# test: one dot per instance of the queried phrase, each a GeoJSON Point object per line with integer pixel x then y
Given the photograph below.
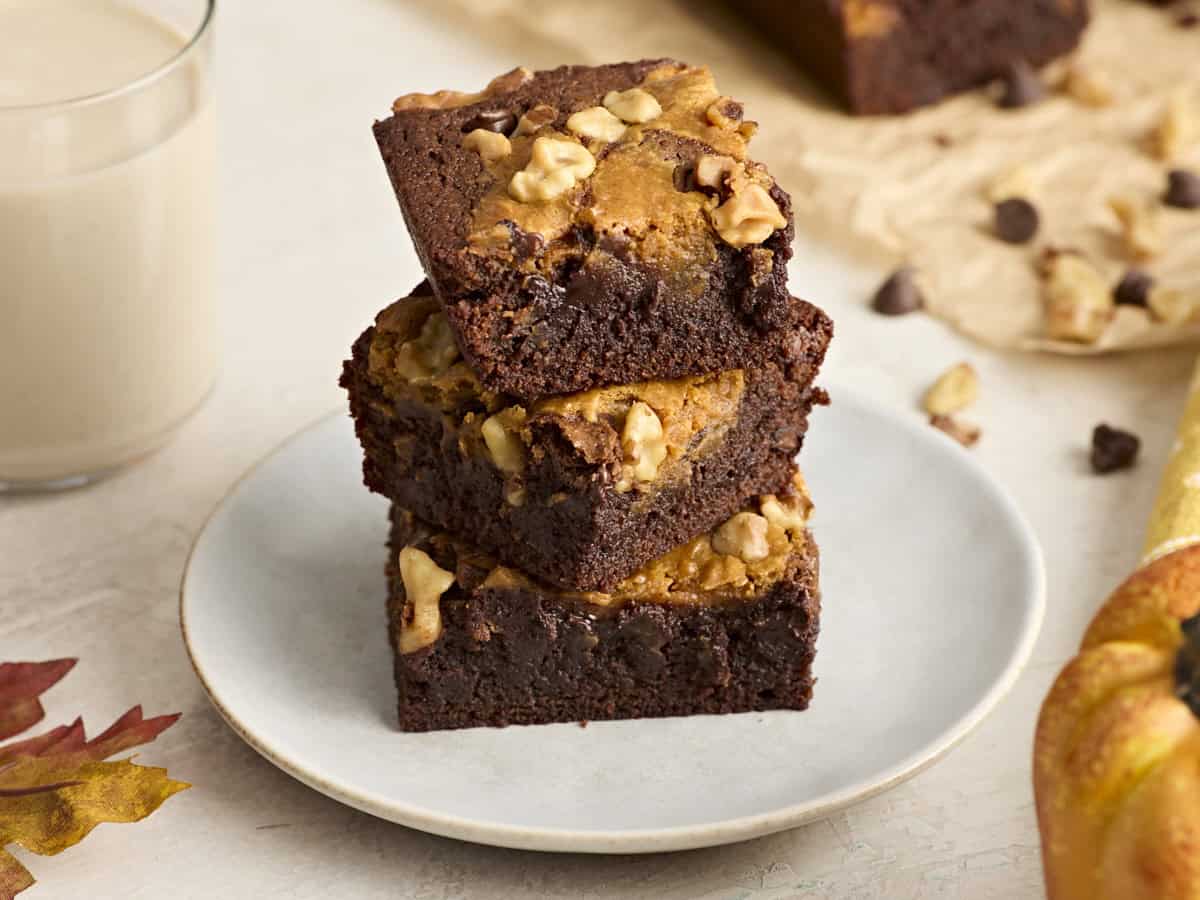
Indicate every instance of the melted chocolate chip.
{"type": "Point", "coordinates": [1016, 220]}
{"type": "Point", "coordinates": [501, 121]}
{"type": "Point", "coordinates": [1134, 288]}
{"type": "Point", "coordinates": [1021, 85]}
{"type": "Point", "coordinates": [733, 110]}
{"type": "Point", "coordinates": [1113, 449]}
{"type": "Point", "coordinates": [525, 244]}
{"type": "Point", "coordinates": [899, 295]}
{"type": "Point", "coordinates": [684, 177]}
{"type": "Point", "coordinates": [1183, 189]}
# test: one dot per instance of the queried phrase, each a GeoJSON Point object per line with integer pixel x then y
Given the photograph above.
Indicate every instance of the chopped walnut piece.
{"type": "Point", "coordinates": [501, 435]}
{"type": "Point", "coordinates": [1141, 227]}
{"type": "Point", "coordinates": [1172, 306]}
{"type": "Point", "coordinates": [791, 516]}
{"type": "Point", "coordinates": [424, 583]}
{"type": "Point", "coordinates": [634, 106]}
{"type": "Point", "coordinates": [743, 536]}
{"type": "Point", "coordinates": [430, 353]}
{"type": "Point", "coordinates": [643, 445]}
{"type": "Point", "coordinates": [1079, 304]}
{"type": "Point", "coordinates": [1178, 128]}
{"type": "Point", "coordinates": [534, 119]}
{"type": "Point", "coordinates": [1016, 182]}
{"type": "Point", "coordinates": [724, 112]}
{"type": "Point", "coordinates": [1089, 87]}
{"type": "Point", "coordinates": [711, 171]}
{"type": "Point", "coordinates": [490, 145]}
{"type": "Point", "coordinates": [750, 216]}
{"type": "Point", "coordinates": [553, 169]}
{"type": "Point", "coordinates": [963, 432]}
{"type": "Point", "coordinates": [597, 123]}
{"type": "Point", "coordinates": [501, 84]}
{"type": "Point", "coordinates": [955, 389]}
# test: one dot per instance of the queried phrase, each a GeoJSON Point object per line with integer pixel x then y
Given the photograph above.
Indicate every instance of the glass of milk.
{"type": "Point", "coordinates": [107, 220]}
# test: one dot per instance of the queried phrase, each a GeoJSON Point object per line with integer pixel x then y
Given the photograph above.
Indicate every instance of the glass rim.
{"type": "Point", "coordinates": [159, 71]}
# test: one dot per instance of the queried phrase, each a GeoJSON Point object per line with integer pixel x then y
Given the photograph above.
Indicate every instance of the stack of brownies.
{"type": "Point", "coordinates": [586, 418]}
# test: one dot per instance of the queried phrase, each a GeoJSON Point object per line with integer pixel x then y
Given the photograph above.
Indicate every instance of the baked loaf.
{"type": "Point", "coordinates": [890, 56]}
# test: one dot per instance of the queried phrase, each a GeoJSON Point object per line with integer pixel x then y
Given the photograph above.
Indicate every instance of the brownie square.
{"type": "Point", "coordinates": [581, 490]}
{"type": "Point", "coordinates": [892, 56]}
{"type": "Point", "coordinates": [589, 226]}
{"type": "Point", "coordinates": [722, 624]}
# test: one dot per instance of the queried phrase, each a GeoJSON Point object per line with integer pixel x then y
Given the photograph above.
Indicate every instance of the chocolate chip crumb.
{"type": "Point", "coordinates": [943, 140]}
{"type": "Point", "coordinates": [1113, 449]}
{"type": "Point", "coordinates": [1188, 20]}
{"type": "Point", "coordinates": [501, 121]}
{"type": "Point", "coordinates": [1016, 220]}
{"type": "Point", "coordinates": [1134, 288]}
{"type": "Point", "coordinates": [1183, 189]}
{"type": "Point", "coordinates": [899, 295]}
{"type": "Point", "coordinates": [1021, 85]}
{"type": "Point", "coordinates": [966, 434]}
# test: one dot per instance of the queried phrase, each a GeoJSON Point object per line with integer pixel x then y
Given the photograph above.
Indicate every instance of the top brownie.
{"type": "Point", "coordinates": [589, 226]}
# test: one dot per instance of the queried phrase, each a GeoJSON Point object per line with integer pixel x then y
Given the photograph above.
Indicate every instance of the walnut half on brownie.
{"type": "Point", "coordinates": [579, 490]}
{"type": "Point", "coordinates": [722, 624]}
{"type": "Point", "coordinates": [588, 226]}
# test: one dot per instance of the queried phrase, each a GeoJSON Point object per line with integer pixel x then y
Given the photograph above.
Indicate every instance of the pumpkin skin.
{"type": "Point", "coordinates": [1117, 752]}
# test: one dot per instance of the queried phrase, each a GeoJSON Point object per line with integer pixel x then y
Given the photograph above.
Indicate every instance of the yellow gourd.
{"type": "Point", "coordinates": [1117, 751]}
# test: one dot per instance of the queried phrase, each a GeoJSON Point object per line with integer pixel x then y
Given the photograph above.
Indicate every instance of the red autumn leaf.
{"type": "Point", "coordinates": [20, 686]}
{"type": "Point", "coordinates": [56, 787]}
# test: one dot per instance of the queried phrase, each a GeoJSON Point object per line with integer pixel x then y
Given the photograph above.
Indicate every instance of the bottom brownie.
{"type": "Point", "coordinates": [725, 623]}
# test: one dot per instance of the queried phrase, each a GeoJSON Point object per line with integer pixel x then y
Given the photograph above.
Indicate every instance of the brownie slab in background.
{"type": "Point", "coordinates": [581, 490]}
{"type": "Point", "coordinates": [725, 623]}
{"type": "Point", "coordinates": [883, 57]}
{"type": "Point", "coordinates": [599, 225]}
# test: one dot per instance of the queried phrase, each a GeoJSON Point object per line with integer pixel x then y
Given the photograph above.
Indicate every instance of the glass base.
{"type": "Point", "coordinates": [115, 463]}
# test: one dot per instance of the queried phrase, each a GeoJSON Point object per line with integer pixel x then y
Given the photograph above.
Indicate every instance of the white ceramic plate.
{"type": "Point", "coordinates": [933, 594]}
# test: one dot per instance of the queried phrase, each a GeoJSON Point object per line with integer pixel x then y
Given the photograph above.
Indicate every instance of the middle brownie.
{"type": "Point", "coordinates": [579, 490]}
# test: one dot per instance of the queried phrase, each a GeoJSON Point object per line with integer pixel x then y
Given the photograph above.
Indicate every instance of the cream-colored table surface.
{"type": "Point", "coordinates": [312, 246]}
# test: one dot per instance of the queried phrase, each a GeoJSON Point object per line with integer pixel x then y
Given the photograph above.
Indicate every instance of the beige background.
{"type": "Point", "coordinates": [313, 245]}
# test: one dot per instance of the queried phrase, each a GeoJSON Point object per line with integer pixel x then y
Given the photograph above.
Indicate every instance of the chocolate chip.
{"type": "Point", "coordinates": [1113, 449]}
{"type": "Point", "coordinates": [1134, 288]}
{"type": "Point", "coordinates": [1183, 189]}
{"type": "Point", "coordinates": [733, 110]}
{"type": "Point", "coordinates": [899, 295]}
{"type": "Point", "coordinates": [1016, 220]}
{"type": "Point", "coordinates": [1021, 85]}
{"type": "Point", "coordinates": [524, 244]}
{"type": "Point", "coordinates": [1188, 20]}
{"type": "Point", "coordinates": [501, 121]}
{"type": "Point", "coordinates": [684, 177]}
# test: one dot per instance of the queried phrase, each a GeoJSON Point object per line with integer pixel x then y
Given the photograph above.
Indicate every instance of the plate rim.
{"type": "Point", "coordinates": [652, 840]}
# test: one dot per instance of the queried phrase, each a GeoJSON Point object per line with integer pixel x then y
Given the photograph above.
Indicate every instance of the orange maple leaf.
{"type": "Point", "coordinates": [56, 787]}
